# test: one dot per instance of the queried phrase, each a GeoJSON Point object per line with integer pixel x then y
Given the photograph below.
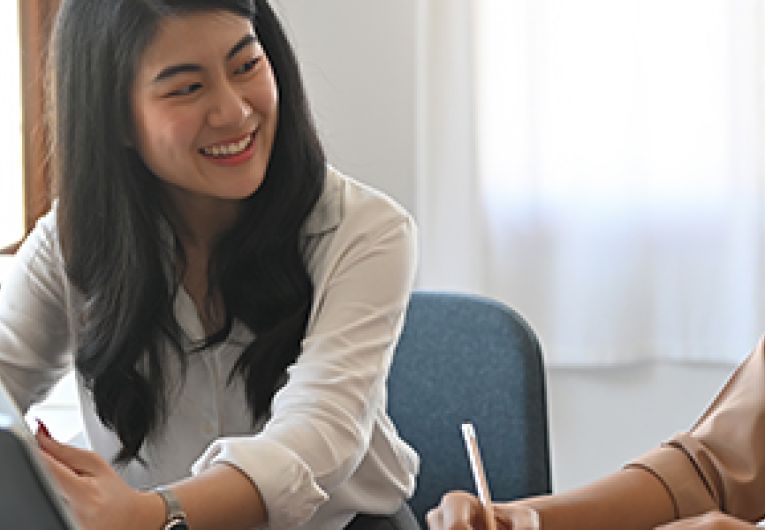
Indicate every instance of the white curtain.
{"type": "Point", "coordinates": [598, 165]}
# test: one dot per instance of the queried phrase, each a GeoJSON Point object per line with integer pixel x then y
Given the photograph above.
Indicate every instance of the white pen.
{"type": "Point", "coordinates": [479, 475]}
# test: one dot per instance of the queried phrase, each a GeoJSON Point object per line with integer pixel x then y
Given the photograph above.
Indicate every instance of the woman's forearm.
{"type": "Point", "coordinates": [221, 497]}
{"type": "Point", "coordinates": [631, 499]}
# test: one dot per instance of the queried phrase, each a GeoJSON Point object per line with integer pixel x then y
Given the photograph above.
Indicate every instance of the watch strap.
{"type": "Point", "coordinates": [175, 517]}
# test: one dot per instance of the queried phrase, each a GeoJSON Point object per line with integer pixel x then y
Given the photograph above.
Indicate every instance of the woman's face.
{"type": "Point", "coordinates": [204, 102]}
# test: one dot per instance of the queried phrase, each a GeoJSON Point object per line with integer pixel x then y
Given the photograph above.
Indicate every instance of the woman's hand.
{"type": "Point", "coordinates": [709, 521]}
{"type": "Point", "coordinates": [462, 511]}
{"type": "Point", "coordinates": [98, 496]}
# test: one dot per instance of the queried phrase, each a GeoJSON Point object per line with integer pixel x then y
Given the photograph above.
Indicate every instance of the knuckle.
{"type": "Point", "coordinates": [433, 517]}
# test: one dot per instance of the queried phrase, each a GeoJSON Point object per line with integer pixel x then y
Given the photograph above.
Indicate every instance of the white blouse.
{"type": "Point", "coordinates": [329, 449]}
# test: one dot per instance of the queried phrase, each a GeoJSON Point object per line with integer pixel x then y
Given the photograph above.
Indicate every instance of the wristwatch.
{"type": "Point", "coordinates": [175, 518]}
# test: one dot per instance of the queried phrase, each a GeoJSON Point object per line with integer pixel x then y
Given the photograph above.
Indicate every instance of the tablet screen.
{"type": "Point", "coordinates": [27, 497]}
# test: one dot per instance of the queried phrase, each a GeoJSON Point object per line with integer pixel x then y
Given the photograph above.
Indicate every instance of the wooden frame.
{"type": "Point", "coordinates": [35, 20]}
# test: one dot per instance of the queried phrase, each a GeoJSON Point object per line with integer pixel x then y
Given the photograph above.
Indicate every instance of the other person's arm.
{"type": "Point", "coordinates": [716, 468]}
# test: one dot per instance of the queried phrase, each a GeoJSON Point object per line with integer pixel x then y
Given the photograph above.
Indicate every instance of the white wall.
{"type": "Point", "coordinates": [359, 61]}
{"type": "Point", "coordinates": [358, 64]}
{"type": "Point", "coordinates": [601, 418]}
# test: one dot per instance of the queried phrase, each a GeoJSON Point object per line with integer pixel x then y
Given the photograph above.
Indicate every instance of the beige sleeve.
{"type": "Point", "coordinates": [720, 462]}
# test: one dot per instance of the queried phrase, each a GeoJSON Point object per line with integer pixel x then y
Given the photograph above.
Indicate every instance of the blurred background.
{"type": "Point", "coordinates": [595, 164]}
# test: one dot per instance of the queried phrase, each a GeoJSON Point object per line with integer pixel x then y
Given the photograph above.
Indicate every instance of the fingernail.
{"type": "Point", "coordinates": [41, 428]}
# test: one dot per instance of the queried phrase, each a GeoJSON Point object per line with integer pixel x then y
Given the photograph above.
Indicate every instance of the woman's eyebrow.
{"type": "Point", "coordinates": [175, 69]}
{"type": "Point", "coordinates": [244, 41]}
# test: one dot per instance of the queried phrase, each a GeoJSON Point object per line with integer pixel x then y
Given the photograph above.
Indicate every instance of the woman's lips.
{"type": "Point", "coordinates": [231, 152]}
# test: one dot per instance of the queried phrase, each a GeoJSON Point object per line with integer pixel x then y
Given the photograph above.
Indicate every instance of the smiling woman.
{"type": "Point", "coordinates": [225, 296]}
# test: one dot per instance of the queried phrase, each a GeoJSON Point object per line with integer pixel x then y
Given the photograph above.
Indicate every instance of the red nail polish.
{"type": "Point", "coordinates": [41, 428]}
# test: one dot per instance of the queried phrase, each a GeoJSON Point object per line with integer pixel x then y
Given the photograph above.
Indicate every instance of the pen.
{"type": "Point", "coordinates": [479, 475]}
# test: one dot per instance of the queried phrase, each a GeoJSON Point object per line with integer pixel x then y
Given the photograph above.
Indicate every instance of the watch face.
{"type": "Point", "coordinates": [177, 524]}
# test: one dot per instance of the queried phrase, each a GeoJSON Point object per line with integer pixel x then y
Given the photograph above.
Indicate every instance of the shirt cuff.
{"type": "Point", "coordinates": [285, 482]}
{"type": "Point", "coordinates": [673, 468]}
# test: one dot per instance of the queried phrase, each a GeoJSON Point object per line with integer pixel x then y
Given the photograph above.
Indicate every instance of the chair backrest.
{"type": "Point", "coordinates": [467, 358]}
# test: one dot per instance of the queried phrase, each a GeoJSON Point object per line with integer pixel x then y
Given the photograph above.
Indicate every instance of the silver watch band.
{"type": "Point", "coordinates": [175, 517]}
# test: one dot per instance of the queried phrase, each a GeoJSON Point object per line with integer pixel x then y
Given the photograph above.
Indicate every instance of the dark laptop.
{"type": "Point", "coordinates": [28, 498]}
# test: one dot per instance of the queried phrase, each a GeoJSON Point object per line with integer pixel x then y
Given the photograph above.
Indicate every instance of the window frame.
{"type": "Point", "coordinates": [35, 22]}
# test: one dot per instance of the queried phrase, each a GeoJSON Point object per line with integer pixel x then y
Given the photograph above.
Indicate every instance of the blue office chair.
{"type": "Point", "coordinates": [467, 358]}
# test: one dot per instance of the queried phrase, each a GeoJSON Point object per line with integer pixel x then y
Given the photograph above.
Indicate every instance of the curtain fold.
{"type": "Point", "coordinates": [598, 166]}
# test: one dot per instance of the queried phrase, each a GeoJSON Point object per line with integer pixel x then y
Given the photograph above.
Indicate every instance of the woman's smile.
{"type": "Point", "coordinates": [231, 152]}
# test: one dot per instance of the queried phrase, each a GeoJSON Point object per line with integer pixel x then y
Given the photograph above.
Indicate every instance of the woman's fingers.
{"type": "Point", "coordinates": [79, 461]}
{"type": "Point", "coordinates": [64, 477]}
{"type": "Point", "coordinates": [515, 516]}
{"type": "Point", "coordinates": [463, 508]}
{"type": "Point", "coordinates": [97, 495]}
{"type": "Point", "coordinates": [462, 511]}
{"type": "Point", "coordinates": [458, 511]}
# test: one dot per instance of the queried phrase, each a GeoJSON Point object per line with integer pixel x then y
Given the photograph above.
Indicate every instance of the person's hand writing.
{"type": "Point", "coordinates": [709, 521]}
{"type": "Point", "coordinates": [98, 496]}
{"type": "Point", "coordinates": [462, 511]}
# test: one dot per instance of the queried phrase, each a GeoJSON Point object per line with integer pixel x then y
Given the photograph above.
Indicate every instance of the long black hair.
{"type": "Point", "coordinates": [111, 210]}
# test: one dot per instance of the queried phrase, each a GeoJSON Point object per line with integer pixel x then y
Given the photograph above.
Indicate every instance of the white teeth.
{"type": "Point", "coordinates": [228, 149]}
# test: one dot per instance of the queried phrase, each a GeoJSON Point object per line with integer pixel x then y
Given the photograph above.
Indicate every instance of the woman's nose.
{"type": "Point", "coordinates": [229, 108]}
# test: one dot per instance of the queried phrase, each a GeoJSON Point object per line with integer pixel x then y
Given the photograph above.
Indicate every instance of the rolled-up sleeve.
{"type": "Point", "coordinates": [323, 417]}
{"type": "Point", "coordinates": [284, 474]}
{"type": "Point", "coordinates": [720, 462]}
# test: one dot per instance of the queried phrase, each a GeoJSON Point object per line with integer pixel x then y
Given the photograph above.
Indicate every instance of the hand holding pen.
{"type": "Point", "coordinates": [519, 518]}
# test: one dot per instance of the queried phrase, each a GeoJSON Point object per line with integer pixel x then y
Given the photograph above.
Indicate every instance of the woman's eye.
{"type": "Point", "coordinates": [248, 66]}
{"type": "Point", "coordinates": [186, 90]}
